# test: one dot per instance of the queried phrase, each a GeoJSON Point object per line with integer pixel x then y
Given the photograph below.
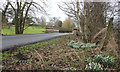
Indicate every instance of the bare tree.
{"type": "Point", "coordinates": [108, 34]}
{"type": "Point", "coordinates": [118, 27]}
{"type": "Point", "coordinates": [88, 16]}
{"type": "Point", "coordinates": [74, 9]}
{"type": "Point", "coordinates": [43, 22]}
{"type": "Point", "coordinates": [21, 10]}
{"type": "Point", "coordinates": [111, 27]}
{"type": "Point", "coordinates": [68, 24]}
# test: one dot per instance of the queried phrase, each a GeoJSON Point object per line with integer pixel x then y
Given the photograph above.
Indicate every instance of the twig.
{"type": "Point", "coordinates": [42, 59]}
{"type": "Point", "coordinates": [39, 56]}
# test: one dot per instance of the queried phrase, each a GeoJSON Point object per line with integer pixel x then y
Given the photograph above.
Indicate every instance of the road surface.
{"type": "Point", "coordinates": [17, 40]}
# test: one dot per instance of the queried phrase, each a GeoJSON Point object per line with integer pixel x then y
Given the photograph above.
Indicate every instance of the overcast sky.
{"type": "Point", "coordinates": [53, 9]}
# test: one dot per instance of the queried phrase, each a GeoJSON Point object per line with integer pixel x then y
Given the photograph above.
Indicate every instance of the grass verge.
{"type": "Point", "coordinates": [29, 30]}
{"type": "Point", "coordinates": [50, 55]}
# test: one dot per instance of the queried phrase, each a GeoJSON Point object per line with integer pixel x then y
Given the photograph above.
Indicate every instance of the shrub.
{"type": "Point", "coordinates": [81, 45]}
{"type": "Point", "coordinates": [109, 61]}
{"type": "Point", "coordinates": [93, 66]}
{"type": "Point", "coordinates": [65, 30]}
{"type": "Point", "coordinates": [98, 58]}
{"type": "Point", "coordinates": [71, 43]}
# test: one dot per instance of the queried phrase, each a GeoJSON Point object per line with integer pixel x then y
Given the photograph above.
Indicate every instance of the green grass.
{"type": "Point", "coordinates": [29, 30]}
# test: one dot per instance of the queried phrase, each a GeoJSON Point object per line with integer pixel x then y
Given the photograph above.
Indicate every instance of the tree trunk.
{"type": "Point", "coordinates": [22, 29]}
{"type": "Point", "coordinates": [108, 33]}
{"type": "Point", "coordinates": [24, 18]}
{"type": "Point", "coordinates": [16, 22]}
{"type": "Point", "coordinates": [78, 19]}
{"type": "Point", "coordinates": [85, 23]}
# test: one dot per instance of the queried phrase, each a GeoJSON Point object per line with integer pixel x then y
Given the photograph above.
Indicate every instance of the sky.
{"type": "Point", "coordinates": [56, 12]}
{"type": "Point", "coordinates": [52, 9]}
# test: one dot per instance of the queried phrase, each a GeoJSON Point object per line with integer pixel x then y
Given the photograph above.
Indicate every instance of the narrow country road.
{"type": "Point", "coordinates": [16, 40]}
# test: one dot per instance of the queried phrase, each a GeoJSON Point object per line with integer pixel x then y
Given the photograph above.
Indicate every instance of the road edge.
{"type": "Point", "coordinates": [16, 46]}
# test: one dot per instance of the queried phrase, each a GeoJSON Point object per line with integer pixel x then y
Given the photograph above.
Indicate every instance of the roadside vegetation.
{"type": "Point", "coordinates": [94, 46]}
{"type": "Point", "coordinates": [57, 54]}
{"type": "Point", "coordinates": [28, 30]}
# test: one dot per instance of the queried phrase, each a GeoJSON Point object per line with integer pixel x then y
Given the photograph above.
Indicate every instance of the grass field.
{"type": "Point", "coordinates": [29, 30]}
